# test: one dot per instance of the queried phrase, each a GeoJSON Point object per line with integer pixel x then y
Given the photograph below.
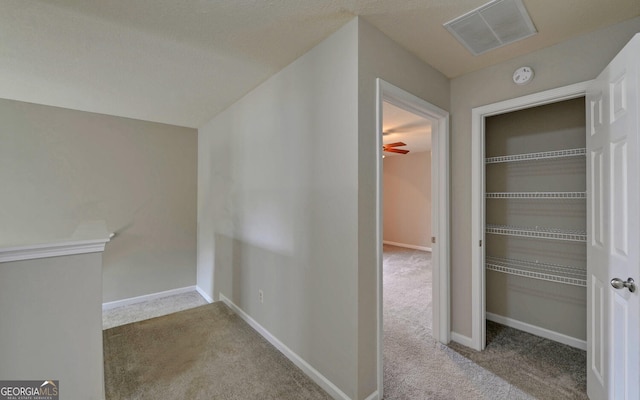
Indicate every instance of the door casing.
{"type": "Point", "coordinates": [478, 299]}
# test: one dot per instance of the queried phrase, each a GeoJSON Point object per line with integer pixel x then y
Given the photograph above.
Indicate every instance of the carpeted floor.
{"type": "Point", "coordinates": [542, 368]}
{"type": "Point", "coordinates": [515, 364]}
{"type": "Point", "coordinates": [206, 352]}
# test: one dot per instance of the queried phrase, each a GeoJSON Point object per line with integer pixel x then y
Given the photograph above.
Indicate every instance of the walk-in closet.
{"type": "Point", "coordinates": [535, 221]}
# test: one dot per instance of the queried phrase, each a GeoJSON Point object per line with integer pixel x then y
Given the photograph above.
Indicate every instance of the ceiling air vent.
{"type": "Point", "coordinates": [493, 25]}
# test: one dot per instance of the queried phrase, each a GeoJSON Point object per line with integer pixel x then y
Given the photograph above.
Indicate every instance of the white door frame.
{"type": "Point", "coordinates": [440, 208]}
{"type": "Point", "coordinates": [478, 305]}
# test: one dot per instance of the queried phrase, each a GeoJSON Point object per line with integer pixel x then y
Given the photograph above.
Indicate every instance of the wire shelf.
{"type": "Point", "coordinates": [537, 233]}
{"type": "Point", "coordinates": [536, 195]}
{"type": "Point", "coordinates": [544, 155]}
{"type": "Point", "coordinates": [547, 272]}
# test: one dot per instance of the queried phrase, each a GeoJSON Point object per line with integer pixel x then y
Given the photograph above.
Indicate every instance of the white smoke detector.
{"type": "Point", "coordinates": [492, 25]}
{"type": "Point", "coordinates": [522, 75]}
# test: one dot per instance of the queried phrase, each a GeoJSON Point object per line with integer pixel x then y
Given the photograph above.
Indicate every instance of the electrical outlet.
{"type": "Point", "coordinates": [261, 296]}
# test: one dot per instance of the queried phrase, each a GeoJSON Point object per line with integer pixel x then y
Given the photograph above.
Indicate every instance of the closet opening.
{"type": "Point", "coordinates": [535, 221]}
{"type": "Point", "coordinates": [529, 216]}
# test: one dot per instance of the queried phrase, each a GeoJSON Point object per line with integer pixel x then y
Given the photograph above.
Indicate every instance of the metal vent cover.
{"type": "Point", "coordinates": [492, 25]}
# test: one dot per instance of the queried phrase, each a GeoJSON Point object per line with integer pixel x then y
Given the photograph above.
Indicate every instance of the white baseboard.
{"type": "Point", "coordinates": [462, 339]}
{"type": "Point", "coordinates": [139, 299]}
{"type": "Point", "coordinates": [204, 295]}
{"type": "Point", "coordinates": [407, 246]}
{"type": "Point", "coordinates": [311, 372]}
{"type": "Point", "coordinates": [536, 330]}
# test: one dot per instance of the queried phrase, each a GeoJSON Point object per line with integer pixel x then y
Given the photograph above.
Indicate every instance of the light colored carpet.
{"type": "Point", "coordinates": [515, 365]}
{"type": "Point", "coordinates": [542, 368]}
{"type": "Point", "coordinates": [206, 352]}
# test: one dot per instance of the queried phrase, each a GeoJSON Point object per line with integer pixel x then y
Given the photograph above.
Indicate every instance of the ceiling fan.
{"type": "Point", "coordinates": [392, 148]}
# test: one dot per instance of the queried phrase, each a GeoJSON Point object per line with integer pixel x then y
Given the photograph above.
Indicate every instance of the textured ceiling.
{"type": "Point", "coordinates": [182, 62]}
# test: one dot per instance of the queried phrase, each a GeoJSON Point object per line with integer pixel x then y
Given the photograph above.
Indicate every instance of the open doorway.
{"type": "Point", "coordinates": [406, 178]}
{"type": "Point", "coordinates": [407, 267]}
{"type": "Point", "coordinates": [433, 231]}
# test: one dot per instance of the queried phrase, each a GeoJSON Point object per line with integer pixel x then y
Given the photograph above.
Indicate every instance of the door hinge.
{"type": "Point", "coordinates": [480, 243]}
{"type": "Point", "coordinates": [433, 239]}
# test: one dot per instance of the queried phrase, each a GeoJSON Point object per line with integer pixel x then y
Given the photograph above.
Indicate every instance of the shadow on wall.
{"type": "Point", "coordinates": [294, 308]}
{"type": "Point", "coordinates": [243, 270]}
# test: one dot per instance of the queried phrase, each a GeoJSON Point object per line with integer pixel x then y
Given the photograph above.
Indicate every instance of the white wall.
{"type": "Point", "coordinates": [56, 331]}
{"type": "Point", "coordinates": [282, 209]}
{"type": "Point", "coordinates": [278, 206]}
{"type": "Point", "coordinates": [61, 167]}
{"type": "Point", "coordinates": [407, 199]}
{"type": "Point", "coordinates": [572, 61]}
{"type": "Point", "coordinates": [380, 57]}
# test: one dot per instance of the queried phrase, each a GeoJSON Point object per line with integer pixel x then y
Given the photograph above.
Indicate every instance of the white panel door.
{"type": "Point", "coordinates": [613, 226]}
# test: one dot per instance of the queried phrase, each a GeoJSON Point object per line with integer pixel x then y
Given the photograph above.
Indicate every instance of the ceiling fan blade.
{"type": "Point", "coordinates": [396, 144]}
{"type": "Point", "coordinates": [392, 150]}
